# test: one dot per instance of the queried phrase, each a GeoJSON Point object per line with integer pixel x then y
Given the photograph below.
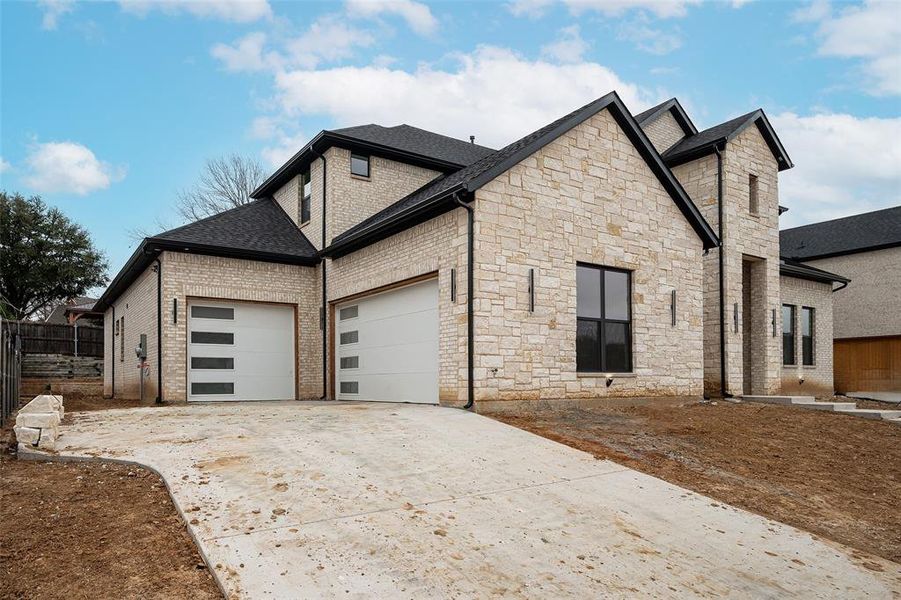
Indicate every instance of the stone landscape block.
{"type": "Point", "coordinates": [27, 435]}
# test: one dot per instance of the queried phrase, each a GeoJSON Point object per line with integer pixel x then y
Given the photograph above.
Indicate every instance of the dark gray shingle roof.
{"type": "Point", "coordinates": [418, 141]}
{"type": "Point", "coordinates": [260, 226]}
{"type": "Point", "coordinates": [858, 233]}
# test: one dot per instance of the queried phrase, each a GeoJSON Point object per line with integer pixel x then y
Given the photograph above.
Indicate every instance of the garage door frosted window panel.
{"type": "Point", "coordinates": [388, 346]}
{"type": "Point", "coordinates": [240, 351]}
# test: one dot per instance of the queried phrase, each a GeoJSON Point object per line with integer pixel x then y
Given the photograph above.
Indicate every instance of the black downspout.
{"type": "Point", "coordinates": [719, 201]}
{"type": "Point", "coordinates": [113, 355]}
{"type": "Point", "coordinates": [470, 287]}
{"type": "Point", "coordinates": [159, 331]}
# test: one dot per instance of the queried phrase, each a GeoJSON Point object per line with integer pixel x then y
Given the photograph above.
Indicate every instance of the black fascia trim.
{"type": "Point", "coordinates": [802, 271]}
{"type": "Point", "coordinates": [679, 115]}
{"type": "Point", "coordinates": [134, 266]}
{"type": "Point", "coordinates": [325, 140]}
{"type": "Point", "coordinates": [420, 213]}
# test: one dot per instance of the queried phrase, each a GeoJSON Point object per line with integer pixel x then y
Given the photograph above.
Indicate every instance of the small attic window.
{"type": "Point", "coordinates": [753, 203]}
{"type": "Point", "coordinates": [359, 165]}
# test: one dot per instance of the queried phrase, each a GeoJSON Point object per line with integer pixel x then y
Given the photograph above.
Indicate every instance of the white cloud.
{"type": "Point", "coordinates": [568, 48]}
{"type": "Point", "coordinates": [417, 15]}
{"type": "Point", "coordinates": [844, 165]}
{"type": "Point", "coordinates": [284, 146]}
{"type": "Point", "coordinates": [328, 39]}
{"type": "Point", "coordinates": [237, 11]}
{"type": "Point", "coordinates": [611, 8]}
{"type": "Point", "coordinates": [647, 38]}
{"type": "Point", "coordinates": [4, 165]}
{"type": "Point", "coordinates": [492, 93]}
{"type": "Point", "coordinates": [871, 32]}
{"type": "Point", "coordinates": [53, 10]}
{"type": "Point", "coordinates": [68, 167]}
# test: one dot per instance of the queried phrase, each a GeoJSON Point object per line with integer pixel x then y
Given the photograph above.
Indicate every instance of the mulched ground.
{"type": "Point", "coordinates": [93, 530]}
{"type": "Point", "coordinates": [836, 476]}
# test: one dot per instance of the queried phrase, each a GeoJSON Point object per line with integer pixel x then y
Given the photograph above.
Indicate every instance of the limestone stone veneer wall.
{"type": "Point", "coordinates": [664, 132]}
{"type": "Point", "coordinates": [817, 379]}
{"type": "Point", "coordinates": [586, 197]}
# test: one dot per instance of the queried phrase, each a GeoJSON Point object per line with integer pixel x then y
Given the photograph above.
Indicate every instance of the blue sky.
{"type": "Point", "coordinates": [109, 109]}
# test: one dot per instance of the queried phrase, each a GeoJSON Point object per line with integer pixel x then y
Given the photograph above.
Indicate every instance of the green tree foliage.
{"type": "Point", "coordinates": [45, 258]}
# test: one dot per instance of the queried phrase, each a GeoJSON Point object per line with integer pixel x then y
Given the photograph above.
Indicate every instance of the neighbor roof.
{"type": "Point", "coordinates": [260, 230]}
{"type": "Point", "coordinates": [704, 142]}
{"type": "Point", "coordinates": [860, 233]}
{"type": "Point", "coordinates": [672, 105]}
{"type": "Point", "coordinates": [437, 196]}
{"type": "Point", "coordinates": [402, 142]}
{"type": "Point", "coordinates": [793, 268]}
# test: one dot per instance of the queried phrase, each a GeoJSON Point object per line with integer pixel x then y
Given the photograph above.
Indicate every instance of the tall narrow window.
{"type": "Point", "coordinates": [788, 334]}
{"type": "Point", "coordinates": [359, 165]}
{"type": "Point", "coordinates": [807, 324]}
{"type": "Point", "coordinates": [604, 320]}
{"type": "Point", "coordinates": [122, 339]}
{"type": "Point", "coordinates": [306, 197]}
{"type": "Point", "coordinates": [753, 205]}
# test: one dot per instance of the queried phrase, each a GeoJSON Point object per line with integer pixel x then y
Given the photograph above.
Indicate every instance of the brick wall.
{"type": "Point", "coordinates": [588, 196]}
{"type": "Point", "coordinates": [664, 132]}
{"type": "Point", "coordinates": [817, 378]}
{"type": "Point", "coordinates": [436, 245]}
{"type": "Point", "coordinates": [138, 306]}
{"type": "Point", "coordinates": [868, 307]}
{"type": "Point", "coordinates": [288, 197]}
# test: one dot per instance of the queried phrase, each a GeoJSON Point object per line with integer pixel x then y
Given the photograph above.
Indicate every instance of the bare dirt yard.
{"type": "Point", "coordinates": [836, 476]}
{"type": "Point", "coordinates": [92, 530]}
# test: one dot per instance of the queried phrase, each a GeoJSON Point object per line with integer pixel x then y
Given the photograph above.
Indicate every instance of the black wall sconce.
{"type": "Point", "coordinates": [735, 316]}
{"type": "Point", "coordinates": [453, 285]}
{"type": "Point", "coordinates": [175, 310]}
{"type": "Point", "coordinates": [672, 308]}
{"type": "Point", "coordinates": [774, 322]}
{"type": "Point", "coordinates": [531, 290]}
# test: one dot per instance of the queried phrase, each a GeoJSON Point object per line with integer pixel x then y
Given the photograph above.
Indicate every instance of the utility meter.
{"type": "Point", "coordinates": [141, 349]}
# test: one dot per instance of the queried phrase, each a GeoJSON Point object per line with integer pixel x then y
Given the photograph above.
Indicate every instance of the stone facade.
{"type": "Point", "coordinates": [868, 307]}
{"type": "Point", "coordinates": [664, 132]}
{"type": "Point", "coordinates": [751, 260]}
{"type": "Point", "coordinates": [586, 197]}
{"type": "Point", "coordinates": [800, 379]}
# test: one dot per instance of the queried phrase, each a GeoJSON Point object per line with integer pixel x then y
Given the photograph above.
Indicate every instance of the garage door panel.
{"type": "Point", "coordinates": [261, 355]}
{"type": "Point", "coordinates": [396, 349]}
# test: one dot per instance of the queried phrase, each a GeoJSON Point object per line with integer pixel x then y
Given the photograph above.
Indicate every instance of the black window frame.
{"type": "Point", "coordinates": [603, 320]}
{"type": "Point", "coordinates": [789, 335]}
{"type": "Point", "coordinates": [805, 344]}
{"type": "Point", "coordinates": [306, 200]}
{"type": "Point", "coordinates": [367, 158]}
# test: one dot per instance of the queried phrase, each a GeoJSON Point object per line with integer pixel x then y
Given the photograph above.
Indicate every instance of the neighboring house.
{"type": "Point", "coordinates": [79, 309]}
{"type": "Point", "coordinates": [590, 246]}
{"type": "Point", "coordinates": [867, 315]}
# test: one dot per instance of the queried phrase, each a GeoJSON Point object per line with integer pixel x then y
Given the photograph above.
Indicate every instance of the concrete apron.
{"type": "Point", "coordinates": [301, 500]}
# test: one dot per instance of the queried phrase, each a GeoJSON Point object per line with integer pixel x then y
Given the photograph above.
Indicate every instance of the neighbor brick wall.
{"type": "Point", "coordinates": [590, 197]}
{"type": "Point", "coordinates": [436, 245]}
{"type": "Point", "coordinates": [869, 306]}
{"type": "Point", "coordinates": [191, 275]}
{"type": "Point", "coordinates": [817, 378]}
{"type": "Point", "coordinates": [664, 132]}
{"type": "Point", "coordinates": [138, 305]}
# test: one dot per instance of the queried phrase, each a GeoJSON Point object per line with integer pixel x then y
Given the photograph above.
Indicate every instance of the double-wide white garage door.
{"type": "Point", "coordinates": [386, 346]}
{"type": "Point", "coordinates": [240, 351]}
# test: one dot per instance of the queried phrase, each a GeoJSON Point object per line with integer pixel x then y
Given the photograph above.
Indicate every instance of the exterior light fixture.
{"type": "Point", "coordinates": [609, 380]}
{"type": "Point", "coordinates": [531, 290]}
{"type": "Point", "coordinates": [453, 285]}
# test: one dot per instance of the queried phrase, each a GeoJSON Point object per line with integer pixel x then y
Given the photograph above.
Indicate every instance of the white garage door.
{"type": "Point", "coordinates": [387, 346]}
{"type": "Point", "coordinates": [240, 351]}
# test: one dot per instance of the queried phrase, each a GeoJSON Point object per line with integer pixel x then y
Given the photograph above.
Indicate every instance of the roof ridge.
{"type": "Point", "coordinates": [205, 219]}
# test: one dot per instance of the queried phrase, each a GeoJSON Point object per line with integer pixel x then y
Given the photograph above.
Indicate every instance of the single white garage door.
{"type": "Point", "coordinates": [240, 351]}
{"type": "Point", "coordinates": [387, 346]}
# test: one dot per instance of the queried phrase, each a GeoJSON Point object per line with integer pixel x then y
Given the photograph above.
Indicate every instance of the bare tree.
{"type": "Point", "coordinates": [225, 183]}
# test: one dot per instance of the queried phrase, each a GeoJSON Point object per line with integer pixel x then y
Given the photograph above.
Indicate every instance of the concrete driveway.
{"type": "Point", "coordinates": [310, 500]}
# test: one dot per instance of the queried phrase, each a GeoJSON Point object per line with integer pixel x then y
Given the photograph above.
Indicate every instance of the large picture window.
{"type": "Point", "coordinates": [807, 322]}
{"type": "Point", "coordinates": [788, 334]}
{"type": "Point", "coordinates": [604, 320]}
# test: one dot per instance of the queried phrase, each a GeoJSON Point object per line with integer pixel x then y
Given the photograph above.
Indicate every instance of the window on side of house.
{"type": "Point", "coordinates": [753, 202]}
{"type": "Point", "coordinates": [359, 165]}
{"type": "Point", "coordinates": [306, 197]}
{"type": "Point", "coordinates": [788, 334]}
{"type": "Point", "coordinates": [604, 320]}
{"type": "Point", "coordinates": [807, 324]}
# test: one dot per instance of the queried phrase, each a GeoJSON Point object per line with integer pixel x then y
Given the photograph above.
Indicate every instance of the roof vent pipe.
{"type": "Point", "coordinates": [472, 139]}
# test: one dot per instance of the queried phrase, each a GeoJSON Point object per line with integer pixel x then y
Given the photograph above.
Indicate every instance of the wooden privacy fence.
{"type": "Point", "coordinates": [70, 340]}
{"type": "Point", "coordinates": [10, 368]}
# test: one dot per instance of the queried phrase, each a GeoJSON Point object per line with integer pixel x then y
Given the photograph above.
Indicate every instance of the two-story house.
{"type": "Point", "coordinates": [394, 264]}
